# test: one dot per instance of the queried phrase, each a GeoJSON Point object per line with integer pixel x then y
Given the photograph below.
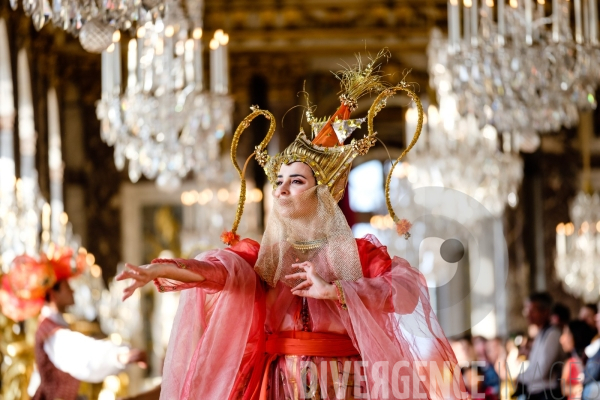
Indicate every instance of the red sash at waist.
{"type": "Point", "coordinates": [310, 344]}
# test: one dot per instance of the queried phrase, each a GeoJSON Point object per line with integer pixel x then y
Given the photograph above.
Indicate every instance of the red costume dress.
{"type": "Point", "coordinates": [242, 334]}
{"type": "Point", "coordinates": [231, 335]}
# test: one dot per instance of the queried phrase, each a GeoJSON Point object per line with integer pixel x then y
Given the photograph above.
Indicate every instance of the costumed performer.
{"type": "Point", "coordinates": [63, 357]}
{"type": "Point", "coordinates": [311, 312]}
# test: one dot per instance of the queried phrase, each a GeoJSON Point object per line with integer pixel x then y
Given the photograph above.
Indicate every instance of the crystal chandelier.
{"type": "Point", "coordinates": [20, 199]}
{"type": "Point", "coordinates": [93, 22]}
{"type": "Point", "coordinates": [577, 256]}
{"type": "Point", "coordinates": [165, 124]}
{"type": "Point", "coordinates": [517, 66]}
{"type": "Point", "coordinates": [454, 152]}
{"type": "Point", "coordinates": [578, 242]}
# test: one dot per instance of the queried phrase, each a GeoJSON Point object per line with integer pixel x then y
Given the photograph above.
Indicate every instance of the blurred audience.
{"type": "Point", "coordinates": [541, 379]}
{"type": "Point", "coordinates": [491, 381]}
{"type": "Point", "coordinates": [474, 377]}
{"type": "Point", "coordinates": [587, 314]}
{"type": "Point", "coordinates": [463, 349]}
{"type": "Point", "coordinates": [591, 386]}
{"type": "Point", "coordinates": [576, 336]}
{"type": "Point", "coordinates": [560, 316]}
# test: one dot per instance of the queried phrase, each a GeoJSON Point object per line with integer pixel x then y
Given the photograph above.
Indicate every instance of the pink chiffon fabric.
{"type": "Point", "coordinates": [216, 350]}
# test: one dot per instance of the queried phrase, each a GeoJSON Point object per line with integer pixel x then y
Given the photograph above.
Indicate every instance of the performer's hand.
{"type": "Point", "coordinates": [313, 286]}
{"type": "Point", "coordinates": [134, 356]}
{"type": "Point", "coordinates": [141, 276]}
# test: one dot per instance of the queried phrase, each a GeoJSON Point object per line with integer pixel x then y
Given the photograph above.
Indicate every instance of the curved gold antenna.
{"type": "Point", "coordinates": [378, 105]}
{"type": "Point", "coordinates": [261, 156]}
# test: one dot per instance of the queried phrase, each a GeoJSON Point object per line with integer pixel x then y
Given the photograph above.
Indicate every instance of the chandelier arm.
{"type": "Point", "coordinates": [259, 152]}
{"type": "Point", "coordinates": [378, 105]}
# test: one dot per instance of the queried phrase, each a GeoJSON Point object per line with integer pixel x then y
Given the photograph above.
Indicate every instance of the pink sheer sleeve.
{"type": "Point", "coordinates": [392, 323]}
{"type": "Point", "coordinates": [210, 268]}
{"type": "Point", "coordinates": [221, 332]}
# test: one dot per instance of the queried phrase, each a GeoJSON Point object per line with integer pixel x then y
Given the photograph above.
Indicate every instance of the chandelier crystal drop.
{"type": "Point", "coordinates": [519, 67]}
{"type": "Point", "coordinates": [164, 124]}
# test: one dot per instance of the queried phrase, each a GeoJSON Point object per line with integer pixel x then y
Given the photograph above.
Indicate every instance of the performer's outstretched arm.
{"type": "Point", "coordinates": [142, 275]}
{"type": "Point", "coordinates": [174, 274]}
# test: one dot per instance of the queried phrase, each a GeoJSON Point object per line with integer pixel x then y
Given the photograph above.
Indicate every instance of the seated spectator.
{"type": "Point", "coordinates": [591, 385]}
{"type": "Point", "coordinates": [561, 315]}
{"type": "Point", "coordinates": [491, 380]}
{"type": "Point", "coordinates": [576, 336]}
{"type": "Point", "coordinates": [587, 314]}
{"type": "Point", "coordinates": [473, 377]}
{"type": "Point", "coordinates": [541, 378]}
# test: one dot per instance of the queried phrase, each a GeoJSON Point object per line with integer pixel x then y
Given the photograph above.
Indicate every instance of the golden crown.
{"type": "Point", "coordinates": [326, 154]}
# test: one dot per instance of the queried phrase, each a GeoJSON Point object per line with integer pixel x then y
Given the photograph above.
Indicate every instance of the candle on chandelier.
{"type": "Point", "coordinates": [105, 72]}
{"type": "Point", "coordinates": [27, 134]}
{"type": "Point", "coordinates": [593, 8]}
{"type": "Point", "coordinates": [64, 220]}
{"type": "Point", "coordinates": [132, 59]}
{"type": "Point", "coordinates": [112, 60]}
{"type": "Point", "coordinates": [488, 13]}
{"type": "Point", "coordinates": [467, 4]}
{"type": "Point", "coordinates": [55, 162]}
{"type": "Point", "coordinates": [141, 32]}
{"type": "Point", "coordinates": [46, 217]}
{"type": "Point", "coordinates": [179, 62]}
{"type": "Point", "coordinates": [501, 26]}
{"type": "Point", "coordinates": [116, 59]}
{"type": "Point", "coordinates": [566, 16]}
{"type": "Point", "coordinates": [453, 26]}
{"type": "Point", "coordinates": [198, 67]}
{"type": "Point", "coordinates": [223, 41]}
{"type": "Point", "coordinates": [474, 23]}
{"type": "Point", "coordinates": [561, 240]}
{"type": "Point", "coordinates": [7, 115]}
{"type": "Point", "coordinates": [578, 30]}
{"type": "Point", "coordinates": [556, 11]}
{"type": "Point", "coordinates": [168, 58]}
{"type": "Point", "coordinates": [218, 63]}
{"type": "Point", "coordinates": [456, 17]}
{"type": "Point", "coordinates": [214, 65]}
{"type": "Point", "coordinates": [528, 22]}
{"type": "Point", "coordinates": [586, 21]}
{"type": "Point", "coordinates": [188, 63]}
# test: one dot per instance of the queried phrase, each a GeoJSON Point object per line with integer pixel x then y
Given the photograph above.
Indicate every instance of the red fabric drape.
{"type": "Point", "coordinates": [223, 333]}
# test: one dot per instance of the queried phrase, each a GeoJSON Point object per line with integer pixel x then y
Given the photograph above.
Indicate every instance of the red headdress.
{"type": "Point", "coordinates": [23, 288]}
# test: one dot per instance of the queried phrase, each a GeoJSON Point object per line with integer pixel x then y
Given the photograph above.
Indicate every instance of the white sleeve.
{"type": "Point", "coordinates": [83, 357]}
{"type": "Point", "coordinates": [34, 382]}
